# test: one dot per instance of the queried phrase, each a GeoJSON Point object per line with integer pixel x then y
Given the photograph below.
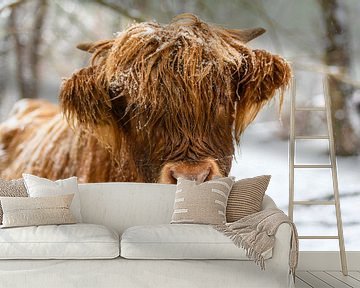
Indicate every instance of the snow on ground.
{"type": "Point", "coordinates": [261, 152]}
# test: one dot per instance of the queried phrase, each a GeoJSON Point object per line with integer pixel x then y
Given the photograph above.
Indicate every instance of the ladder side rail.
{"type": "Point", "coordinates": [335, 179]}
{"type": "Point", "coordinates": [292, 149]}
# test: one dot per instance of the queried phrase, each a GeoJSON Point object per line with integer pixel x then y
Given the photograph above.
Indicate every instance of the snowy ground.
{"type": "Point", "coordinates": [262, 153]}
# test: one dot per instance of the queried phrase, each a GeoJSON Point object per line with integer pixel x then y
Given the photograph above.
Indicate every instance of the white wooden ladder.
{"type": "Point", "coordinates": [332, 166]}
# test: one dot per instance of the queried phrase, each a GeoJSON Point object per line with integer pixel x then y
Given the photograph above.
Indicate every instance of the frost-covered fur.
{"type": "Point", "coordinates": [156, 95]}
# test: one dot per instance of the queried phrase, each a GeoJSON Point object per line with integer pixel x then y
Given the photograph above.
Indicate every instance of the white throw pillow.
{"type": "Point", "coordinates": [181, 241]}
{"type": "Point", "coordinates": [72, 241]}
{"type": "Point", "coordinates": [42, 187]}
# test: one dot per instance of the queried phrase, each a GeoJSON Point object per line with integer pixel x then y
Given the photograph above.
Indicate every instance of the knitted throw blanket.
{"type": "Point", "coordinates": [256, 234]}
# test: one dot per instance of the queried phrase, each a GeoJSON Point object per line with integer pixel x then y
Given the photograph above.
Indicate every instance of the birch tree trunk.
{"type": "Point", "coordinates": [337, 56]}
{"type": "Point", "coordinates": [26, 47]}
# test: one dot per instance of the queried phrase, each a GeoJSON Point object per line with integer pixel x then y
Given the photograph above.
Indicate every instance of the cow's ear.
{"type": "Point", "coordinates": [86, 104]}
{"type": "Point", "coordinates": [268, 74]}
{"type": "Point", "coordinates": [84, 99]}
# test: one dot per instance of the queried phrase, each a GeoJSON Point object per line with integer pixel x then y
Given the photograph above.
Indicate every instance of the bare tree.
{"type": "Point", "coordinates": [4, 52]}
{"type": "Point", "coordinates": [337, 56]}
{"type": "Point", "coordinates": [26, 47]}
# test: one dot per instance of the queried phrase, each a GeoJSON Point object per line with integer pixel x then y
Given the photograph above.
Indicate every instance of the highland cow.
{"type": "Point", "coordinates": [155, 103]}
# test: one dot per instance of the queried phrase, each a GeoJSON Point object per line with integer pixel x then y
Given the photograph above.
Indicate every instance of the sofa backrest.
{"type": "Point", "coordinates": [122, 205]}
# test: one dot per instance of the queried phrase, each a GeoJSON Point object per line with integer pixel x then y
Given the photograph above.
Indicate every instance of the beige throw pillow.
{"type": "Point", "coordinates": [11, 188]}
{"type": "Point", "coordinates": [21, 211]}
{"type": "Point", "coordinates": [246, 197]}
{"type": "Point", "coordinates": [203, 203]}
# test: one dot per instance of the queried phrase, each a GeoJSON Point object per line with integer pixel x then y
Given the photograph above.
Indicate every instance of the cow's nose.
{"type": "Point", "coordinates": [199, 171]}
{"type": "Point", "coordinates": [198, 175]}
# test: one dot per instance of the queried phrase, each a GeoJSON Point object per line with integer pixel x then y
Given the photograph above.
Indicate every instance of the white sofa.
{"type": "Point", "coordinates": [122, 205]}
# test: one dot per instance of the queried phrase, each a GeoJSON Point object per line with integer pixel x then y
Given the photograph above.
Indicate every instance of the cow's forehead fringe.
{"type": "Point", "coordinates": [187, 62]}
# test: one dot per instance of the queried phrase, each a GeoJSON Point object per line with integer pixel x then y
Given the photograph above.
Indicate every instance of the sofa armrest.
{"type": "Point", "coordinates": [281, 250]}
{"type": "Point", "coordinates": [279, 263]}
{"type": "Point", "coordinates": [281, 254]}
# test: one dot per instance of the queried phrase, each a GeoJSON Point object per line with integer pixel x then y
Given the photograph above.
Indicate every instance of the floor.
{"type": "Point", "coordinates": [327, 279]}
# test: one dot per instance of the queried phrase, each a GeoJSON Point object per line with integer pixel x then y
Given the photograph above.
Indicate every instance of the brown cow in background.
{"type": "Point", "coordinates": [157, 102]}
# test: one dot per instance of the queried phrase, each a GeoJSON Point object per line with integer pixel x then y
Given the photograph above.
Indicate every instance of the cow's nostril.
{"type": "Point", "coordinates": [173, 178]}
{"type": "Point", "coordinates": [201, 176]}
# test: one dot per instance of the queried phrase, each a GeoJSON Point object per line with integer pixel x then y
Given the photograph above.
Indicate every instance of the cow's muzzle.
{"type": "Point", "coordinates": [198, 171]}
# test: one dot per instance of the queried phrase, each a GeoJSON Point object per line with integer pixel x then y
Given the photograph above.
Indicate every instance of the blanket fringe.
{"type": "Point", "coordinates": [256, 234]}
{"type": "Point", "coordinates": [239, 242]}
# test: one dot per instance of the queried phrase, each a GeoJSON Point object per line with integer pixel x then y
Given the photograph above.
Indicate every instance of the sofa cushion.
{"type": "Point", "coordinates": [203, 203]}
{"type": "Point", "coordinates": [246, 197]}
{"type": "Point", "coordinates": [27, 211]}
{"type": "Point", "coordinates": [181, 241]}
{"type": "Point", "coordinates": [11, 188]}
{"type": "Point", "coordinates": [42, 187]}
{"type": "Point", "coordinates": [73, 241]}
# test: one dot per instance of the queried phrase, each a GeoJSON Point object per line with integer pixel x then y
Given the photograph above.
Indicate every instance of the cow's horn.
{"type": "Point", "coordinates": [250, 34]}
{"type": "Point", "coordinates": [88, 47]}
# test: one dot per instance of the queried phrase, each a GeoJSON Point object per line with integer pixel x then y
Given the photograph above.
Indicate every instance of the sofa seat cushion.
{"type": "Point", "coordinates": [180, 241]}
{"type": "Point", "coordinates": [74, 241]}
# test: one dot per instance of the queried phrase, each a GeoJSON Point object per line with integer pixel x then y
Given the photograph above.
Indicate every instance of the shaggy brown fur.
{"type": "Point", "coordinates": [36, 139]}
{"type": "Point", "coordinates": [156, 96]}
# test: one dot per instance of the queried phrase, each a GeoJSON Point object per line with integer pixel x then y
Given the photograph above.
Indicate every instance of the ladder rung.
{"type": "Point", "coordinates": [314, 202]}
{"type": "Point", "coordinates": [318, 237]}
{"type": "Point", "coordinates": [312, 137]}
{"type": "Point", "coordinates": [310, 109]}
{"type": "Point", "coordinates": [312, 166]}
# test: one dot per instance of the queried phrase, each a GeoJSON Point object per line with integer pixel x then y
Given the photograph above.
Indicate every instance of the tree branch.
{"type": "Point", "coordinates": [120, 10]}
{"type": "Point", "coordinates": [328, 71]}
{"type": "Point", "coordinates": [11, 4]}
